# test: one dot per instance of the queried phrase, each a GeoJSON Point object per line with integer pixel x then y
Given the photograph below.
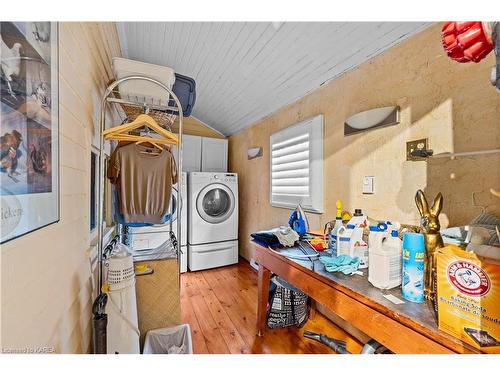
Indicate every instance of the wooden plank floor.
{"type": "Point", "coordinates": [220, 305]}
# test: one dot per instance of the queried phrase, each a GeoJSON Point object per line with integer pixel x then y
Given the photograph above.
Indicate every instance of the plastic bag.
{"type": "Point", "coordinates": [171, 340]}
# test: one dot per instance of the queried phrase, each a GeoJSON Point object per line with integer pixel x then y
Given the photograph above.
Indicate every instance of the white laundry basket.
{"type": "Point", "coordinates": [171, 340]}
{"type": "Point", "coordinates": [140, 89]}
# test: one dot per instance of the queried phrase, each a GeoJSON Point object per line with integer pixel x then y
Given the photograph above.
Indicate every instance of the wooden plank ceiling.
{"type": "Point", "coordinates": [246, 71]}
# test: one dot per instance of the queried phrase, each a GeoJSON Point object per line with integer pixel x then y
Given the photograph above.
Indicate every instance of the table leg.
{"type": "Point", "coordinates": [312, 309]}
{"type": "Point", "coordinates": [263, 295]}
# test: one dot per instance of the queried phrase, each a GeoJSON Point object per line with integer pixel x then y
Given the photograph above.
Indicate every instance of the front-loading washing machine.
{"type": "Point", "coordinates": [212, 220]}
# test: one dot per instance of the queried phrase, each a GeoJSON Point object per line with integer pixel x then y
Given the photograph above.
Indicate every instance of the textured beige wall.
{"type": "Point", "coordinates": [452, 104]}
{"type": "Point", "coordinates": [46, 292]}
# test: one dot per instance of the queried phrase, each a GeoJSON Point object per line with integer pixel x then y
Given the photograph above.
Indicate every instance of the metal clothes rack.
{"type": "Point", "coordinates": [108, 250]}
{"type": "Point", "coordinates": [169, 111]}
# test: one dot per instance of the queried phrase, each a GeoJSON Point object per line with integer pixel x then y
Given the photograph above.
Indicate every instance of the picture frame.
{"type": "Point", "coordinates": [29, 127]}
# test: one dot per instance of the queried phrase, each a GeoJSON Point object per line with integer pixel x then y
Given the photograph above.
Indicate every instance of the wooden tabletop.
{"type": "Point", "coordinates": [419, 317]}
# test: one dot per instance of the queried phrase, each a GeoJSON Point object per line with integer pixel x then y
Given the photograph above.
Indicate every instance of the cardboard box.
{"type": "Point", "coordinates": [468, 290]}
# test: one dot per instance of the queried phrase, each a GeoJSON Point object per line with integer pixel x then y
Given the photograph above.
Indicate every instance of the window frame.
{"type": "Point", "coordinates": [314, 201]}
{"type": "Point", "coordinates": [93, 190]}
{"type": "Point", "coordinates": [108, 222]}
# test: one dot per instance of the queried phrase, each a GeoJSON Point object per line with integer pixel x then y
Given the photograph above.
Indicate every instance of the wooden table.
{"type": "Point", "coordinates": [403, 328]}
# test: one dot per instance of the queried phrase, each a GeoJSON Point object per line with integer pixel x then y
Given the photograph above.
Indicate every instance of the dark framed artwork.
{"type": "Point", "coordinates": [29, 127]}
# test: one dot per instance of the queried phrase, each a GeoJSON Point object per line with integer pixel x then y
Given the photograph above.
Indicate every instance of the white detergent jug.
{"type": "Point", "coordinates": [386, 257]}
{"type": "Point", "coordinates": [343, 240]}
{"type": "Point", "coordinates": [377, 234]}
{"type": "Point", "coordinates": [358, 219]}
{"type": "Point", "coordinates": [358, 247]}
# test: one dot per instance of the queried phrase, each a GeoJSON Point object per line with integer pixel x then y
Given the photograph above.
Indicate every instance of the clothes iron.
{"type": "Point", "coordinates": [298, 221]}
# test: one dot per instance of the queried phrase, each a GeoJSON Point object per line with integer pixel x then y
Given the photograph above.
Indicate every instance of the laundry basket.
{"type": "Point", "coordinates": [171, 340]}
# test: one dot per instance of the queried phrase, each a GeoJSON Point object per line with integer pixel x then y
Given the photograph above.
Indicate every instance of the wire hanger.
{"type": "Point", "coordinates": [120, 132]}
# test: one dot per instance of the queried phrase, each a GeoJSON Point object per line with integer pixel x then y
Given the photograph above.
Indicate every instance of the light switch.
{"type": "Point", "coordinates": [368, 182]}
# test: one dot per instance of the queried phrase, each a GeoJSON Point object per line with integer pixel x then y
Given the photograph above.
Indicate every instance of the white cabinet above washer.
{"type": "Point", "coordinates": [203, 154]}
{"type": "Point", "coordinates": [191, 153]}
{"type": "Point", "coordinates": [213, 155]}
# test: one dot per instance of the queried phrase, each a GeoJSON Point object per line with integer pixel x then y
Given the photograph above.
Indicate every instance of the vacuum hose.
{"type": "Point", "coordinates": [338, 346]}
{"type": "Point", "coordinates": [100, 322]}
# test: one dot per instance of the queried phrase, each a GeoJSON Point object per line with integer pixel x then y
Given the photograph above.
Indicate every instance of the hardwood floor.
{"type": "Point", "coordinates": [220, 305]}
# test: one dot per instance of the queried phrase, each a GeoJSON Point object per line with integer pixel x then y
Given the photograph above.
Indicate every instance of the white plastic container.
{"type": "Point", "coordinates": [122, 331]}
{"type": "Point", "coordinates": [377, 234]}
{"type": "Point", "coordinates": [358, 247]}
{"type": "Point", "coordinates": [343, 240]}
{"type": "Point", "coordinates": [386, 257]}
{"type": "Point", "coordinates": [141, 89]}
{"type": "Point", "coordinates": [358, 219]}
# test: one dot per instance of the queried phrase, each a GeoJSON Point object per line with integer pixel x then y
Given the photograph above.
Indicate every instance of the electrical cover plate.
{"type": "Point", "coordinates": [420, 144]}
{"type": "Point", "coordinates": [368, 182]}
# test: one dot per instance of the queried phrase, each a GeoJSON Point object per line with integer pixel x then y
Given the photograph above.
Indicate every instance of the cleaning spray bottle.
{"type": "Point", "coordinates": [332, 241]}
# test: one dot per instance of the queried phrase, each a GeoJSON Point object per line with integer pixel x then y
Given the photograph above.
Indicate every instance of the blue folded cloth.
{"type": "Point", "coordinates": [342, 263]}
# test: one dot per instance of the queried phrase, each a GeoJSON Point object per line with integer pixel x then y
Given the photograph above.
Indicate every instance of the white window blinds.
{"type": "Point", "coordinates": [297, 166]}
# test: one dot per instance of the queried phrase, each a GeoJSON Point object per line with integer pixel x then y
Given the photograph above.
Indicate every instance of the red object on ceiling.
{"type": "Point", "coordinates": [466, 41]}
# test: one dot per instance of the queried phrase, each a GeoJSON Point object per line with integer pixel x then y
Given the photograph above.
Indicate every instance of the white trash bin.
{"type": "Point", "coordinates": [171, 340]}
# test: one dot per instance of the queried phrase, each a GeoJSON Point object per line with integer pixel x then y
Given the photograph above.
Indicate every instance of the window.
{"type": "Point", "coordinates": [297, 166]}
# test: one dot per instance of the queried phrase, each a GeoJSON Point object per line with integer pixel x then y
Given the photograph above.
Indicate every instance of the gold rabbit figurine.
{"type": "Point", "coordinates": [430, 227]}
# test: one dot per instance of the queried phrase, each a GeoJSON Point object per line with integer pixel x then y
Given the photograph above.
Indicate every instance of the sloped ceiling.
{"type": "Point", "coordinates": [246, 71]}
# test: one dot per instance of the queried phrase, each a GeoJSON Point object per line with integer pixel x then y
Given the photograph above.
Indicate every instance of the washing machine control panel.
{"type": "Point", "coordinates": [224, 177]}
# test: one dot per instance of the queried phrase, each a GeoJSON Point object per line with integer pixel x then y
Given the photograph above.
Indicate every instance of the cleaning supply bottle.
{"type": "Point", "coordinates": [332, 243]}
{"type": "Point", "coordinates": [357, 246]}
{"type": "Point", "coordinates": [413, 267]}
{"type": "Point", "coordinates": [385, 260]}
{"type": "Point", "coordinates": [343, 239]}
{"type": "Point", "coordinates": [358, 219]}
{"type": "Point", "coordinates": [377, 234]}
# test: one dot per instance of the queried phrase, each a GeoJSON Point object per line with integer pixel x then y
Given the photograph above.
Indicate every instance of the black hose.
{"type": "Point", "coordinates": [338, 346]}
{"type": "Point", "coordinates": [100, 323]}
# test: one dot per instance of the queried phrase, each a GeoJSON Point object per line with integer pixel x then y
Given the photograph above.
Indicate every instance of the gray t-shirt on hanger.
{"type": "Point", "coordinates": [144, 182]}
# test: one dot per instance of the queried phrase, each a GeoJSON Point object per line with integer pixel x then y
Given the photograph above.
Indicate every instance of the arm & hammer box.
{"type": "Point", "coordinates": [468, 290]}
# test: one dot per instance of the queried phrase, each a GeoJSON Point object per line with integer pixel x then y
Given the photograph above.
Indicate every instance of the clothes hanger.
{"type": "Point", "coordinates": [121, 132]}
{"type": "Point", "coordinates": [152, 142]}
{"type": "Point", "coordinates": [140, 139]}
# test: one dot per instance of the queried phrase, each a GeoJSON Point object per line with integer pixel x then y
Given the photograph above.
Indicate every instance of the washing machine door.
{"type": "Point", "coordinates": [215, 203]}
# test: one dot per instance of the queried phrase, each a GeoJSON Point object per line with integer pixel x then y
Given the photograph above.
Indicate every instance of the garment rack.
{"type": "Point", "coordinates": [173, 107]}
{"type": "Point", "coordinates": [108, 250]}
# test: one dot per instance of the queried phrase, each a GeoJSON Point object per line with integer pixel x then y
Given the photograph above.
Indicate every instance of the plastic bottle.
{"type": "Point", "coordinates": [358, 247]}
{"type": "Point", "coordinates": [385, 260]}
{"type": "Point", "coordinates": [377, 234]}
{"type": "Point", "coordinates": [332, 243]}
{"type": "Point", "coordinates": [343, 239]}
{"type": "Point", "coordinates": [358, 219]}
{"type": "Point", "coordinates": [413, 267]}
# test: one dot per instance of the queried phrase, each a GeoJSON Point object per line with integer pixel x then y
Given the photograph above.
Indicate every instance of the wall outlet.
{"type": "Point", "coordinates": [418, 144]}
{"type": "Point", "coordinates": [368, 185]}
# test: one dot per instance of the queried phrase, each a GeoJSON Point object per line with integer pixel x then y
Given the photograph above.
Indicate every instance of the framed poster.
{"type": "Point", "coordinates": [29, 127]}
